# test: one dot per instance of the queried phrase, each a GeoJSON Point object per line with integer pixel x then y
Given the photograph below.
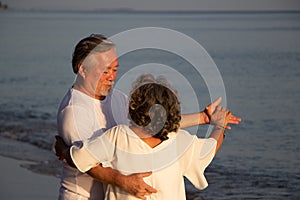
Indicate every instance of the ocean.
{"type": "Point", "coordinates": [256, 53]}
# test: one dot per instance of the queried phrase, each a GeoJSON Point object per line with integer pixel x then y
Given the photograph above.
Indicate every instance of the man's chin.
{"type": "Point", "coordinates": [105, 92]}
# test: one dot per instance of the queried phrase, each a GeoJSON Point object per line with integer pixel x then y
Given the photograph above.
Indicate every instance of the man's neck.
{"type": "Point", "coordinates": [101, 98]}
{"type": "Point", "coordinates": [85, 91]}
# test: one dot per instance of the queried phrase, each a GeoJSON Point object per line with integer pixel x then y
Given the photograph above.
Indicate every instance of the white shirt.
{"type": "Point", "coordinates": [79, 118]}
{"type": "Point", "coordinates": [120, 148]}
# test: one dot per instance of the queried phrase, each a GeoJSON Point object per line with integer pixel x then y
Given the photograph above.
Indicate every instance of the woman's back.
{"type": "Point", "coordinates": [169, 161]}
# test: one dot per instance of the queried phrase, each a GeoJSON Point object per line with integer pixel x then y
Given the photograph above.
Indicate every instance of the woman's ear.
{"type": "Point", "coordinates": [81, 70]}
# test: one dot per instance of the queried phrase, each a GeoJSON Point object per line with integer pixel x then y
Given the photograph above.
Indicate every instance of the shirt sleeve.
{"type": "Point", "coordinates": [95, 150]}
{"type": "Point", "coordinates": [120, 107]}
{"type": "Point", "coordinates": [197, 158]}
{"type": "Point", "coordinates": [74, 124]}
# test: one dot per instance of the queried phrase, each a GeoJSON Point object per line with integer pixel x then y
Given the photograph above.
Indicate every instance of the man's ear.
{"type": "Point", "coordinates": [81, 70]}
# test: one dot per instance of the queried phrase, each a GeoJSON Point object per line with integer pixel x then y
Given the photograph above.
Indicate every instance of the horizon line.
{"type": "Point", "coordinates": [130, 10]}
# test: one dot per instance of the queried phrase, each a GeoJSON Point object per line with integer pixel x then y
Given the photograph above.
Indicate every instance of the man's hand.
{"type": "Point", "coordinates": [60, 148]}
{"type": "Point", "coordinates": [210, 109]}
{"type": "Point", "coordinates": [135, 185]}
{"type": "Point", "coordinates": [62, 151]}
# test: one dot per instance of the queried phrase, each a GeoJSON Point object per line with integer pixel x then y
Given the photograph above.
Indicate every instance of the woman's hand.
{"type": "Point", "coordinates": [210, 109]}
{"type": "Point", "coordinates": [220, 117]}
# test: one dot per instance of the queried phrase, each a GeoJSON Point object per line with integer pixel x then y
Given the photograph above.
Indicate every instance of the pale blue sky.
{"type": "Point", "coordinates": [155, 4]}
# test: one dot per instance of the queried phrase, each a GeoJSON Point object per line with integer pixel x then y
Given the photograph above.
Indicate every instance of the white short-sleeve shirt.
{"type": "Point", "coordinates": [79, 118]}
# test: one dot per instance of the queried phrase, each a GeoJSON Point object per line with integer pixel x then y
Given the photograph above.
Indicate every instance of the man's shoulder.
{"type": "Point", "coordinates": [119, 99]}
{"type": "Point", "coordinates": [118, 93]}
{"type": "Point", "coordinates": [75, 97]}
{"type": "Point", "coordinates": [74, 101]}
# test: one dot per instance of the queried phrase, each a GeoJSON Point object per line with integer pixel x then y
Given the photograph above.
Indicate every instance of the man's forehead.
{"type": "Point", "coordinates": [113, 64]}
{"type": "Point", "coordinates": [108, 58]}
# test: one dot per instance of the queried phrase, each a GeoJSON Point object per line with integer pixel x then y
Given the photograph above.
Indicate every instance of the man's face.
{"type": "Point", "coordinates": [102, 76]}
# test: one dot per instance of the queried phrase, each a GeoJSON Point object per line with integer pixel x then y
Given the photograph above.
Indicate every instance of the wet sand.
{"type": "Point", "coordinates": [20, 183]}
{"type": "Point", "coordinates": [17, 181]}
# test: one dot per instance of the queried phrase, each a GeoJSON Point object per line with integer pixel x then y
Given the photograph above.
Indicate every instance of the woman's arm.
{"type": "Point", "coordinates": [218, 134]}
{"type": "Point", "coordinates": [219, 120]}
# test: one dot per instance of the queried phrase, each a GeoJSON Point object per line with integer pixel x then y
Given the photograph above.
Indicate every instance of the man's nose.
{"type": "Point", "coordinates": [110, 76]}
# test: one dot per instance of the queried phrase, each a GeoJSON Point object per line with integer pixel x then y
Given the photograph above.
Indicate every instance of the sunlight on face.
{"type": "Point", "coordinates": [103, 75]}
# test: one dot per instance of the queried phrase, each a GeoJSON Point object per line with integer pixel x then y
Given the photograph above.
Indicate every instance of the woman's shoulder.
{"type": "Point", "coordinates": [118, 130]}
{"type": "Point", "coordinates": [181, 133]}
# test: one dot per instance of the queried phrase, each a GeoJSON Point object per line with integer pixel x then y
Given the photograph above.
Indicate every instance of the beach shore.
{"type": "Point", "coordinates": [20, 183]}
{"type": "Point", "coordinates": [27, 172]}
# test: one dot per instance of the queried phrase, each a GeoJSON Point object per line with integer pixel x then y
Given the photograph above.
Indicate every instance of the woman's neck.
{"type": "Point", "coordinates": [146, 137]}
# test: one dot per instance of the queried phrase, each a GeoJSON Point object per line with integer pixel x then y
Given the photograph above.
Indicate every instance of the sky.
{"type": "Point", "coordinates": [156, 5]}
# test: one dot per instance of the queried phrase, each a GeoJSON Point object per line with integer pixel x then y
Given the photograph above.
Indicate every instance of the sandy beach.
{"type": "Point", "coordinates": [20, 183]}
{"type": "Point", "coordinates": [17, 181]}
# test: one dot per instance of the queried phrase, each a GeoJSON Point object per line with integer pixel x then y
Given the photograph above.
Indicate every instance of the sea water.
{"type": "Point", "coordinates": [257, 55]}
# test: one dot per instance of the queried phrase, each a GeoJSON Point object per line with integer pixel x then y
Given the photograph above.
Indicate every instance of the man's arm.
{"type": "Point", "coordinates": [204, 117]}
{"type": "Point", "coordinates": [133, 184]}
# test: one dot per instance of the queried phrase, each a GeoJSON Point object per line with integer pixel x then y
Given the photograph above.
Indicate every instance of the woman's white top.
{"type": "Point", "coordinates": [120, 148]}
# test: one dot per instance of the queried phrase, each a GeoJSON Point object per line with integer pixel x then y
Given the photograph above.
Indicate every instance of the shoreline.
{"type": "Point", "coordinates": [27, 171]}
{"type": "Point", "coordinates": [18, 182]}
{"type": "Point", "coordinates": [35, 159]}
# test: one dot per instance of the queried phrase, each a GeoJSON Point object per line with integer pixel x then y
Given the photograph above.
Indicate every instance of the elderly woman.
{"type": "Point", "coordinates": [154, 142]}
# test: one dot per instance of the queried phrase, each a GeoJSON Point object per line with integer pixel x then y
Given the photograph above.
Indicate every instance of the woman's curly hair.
{"type": "Point", "coordinates": [154, 106]}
